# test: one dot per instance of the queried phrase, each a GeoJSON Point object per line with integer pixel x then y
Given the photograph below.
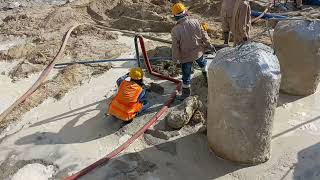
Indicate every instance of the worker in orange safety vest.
{"type": "Point", "coordinates": [129, 101]}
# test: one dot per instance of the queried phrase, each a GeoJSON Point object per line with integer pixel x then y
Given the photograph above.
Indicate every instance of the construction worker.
{"type": "Point", "coordinates": [226, 18]}
{"type": "Point", "coordinates": [189, 40]}
{"type": "Point", "coordinates": [129, 100]}
{"type": "Point", "coordinates": [241, 22]}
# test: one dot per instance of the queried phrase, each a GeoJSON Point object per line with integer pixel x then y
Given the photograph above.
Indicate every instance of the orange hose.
{"type": "Point", "coordinates": [42, 76]}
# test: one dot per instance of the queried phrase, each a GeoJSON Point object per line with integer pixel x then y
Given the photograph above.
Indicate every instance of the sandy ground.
{"type": "Point", "coordinates": [61, 136]}
{"type": "Point", "coordinates": [69, 134]}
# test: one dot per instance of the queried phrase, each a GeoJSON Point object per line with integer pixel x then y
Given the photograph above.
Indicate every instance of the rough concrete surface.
{"type": "Point", "coordinates": [181, 114]}
{"type": "Point", "coordinates": [297, 45]}
{"type": "Point", "coordinates": [243, 91]}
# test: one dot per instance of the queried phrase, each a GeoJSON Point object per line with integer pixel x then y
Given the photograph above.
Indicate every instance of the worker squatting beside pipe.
{"type": "Point", "coordinates": [164, 108]}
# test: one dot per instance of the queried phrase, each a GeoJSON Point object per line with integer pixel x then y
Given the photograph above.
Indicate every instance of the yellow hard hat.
{"type": "Point", "coordinates": [136, 73]}
{"type": "Point", "coordinates": [205, 26]}
{"type": "Point", "coordinates": [178, 8]}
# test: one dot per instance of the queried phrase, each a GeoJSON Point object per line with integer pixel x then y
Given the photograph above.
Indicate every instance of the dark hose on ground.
{"type": "Point", "coordinates": [267, 15]}
{"type": "Point", "coordinates": [164, 108]}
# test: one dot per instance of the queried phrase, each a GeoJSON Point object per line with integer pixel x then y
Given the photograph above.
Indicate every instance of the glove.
{"type": "Point", "coordinates": [210, 49]}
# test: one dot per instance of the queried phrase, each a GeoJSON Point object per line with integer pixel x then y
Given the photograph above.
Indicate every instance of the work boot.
{"type": "Point", "coordinates": [205, 76]}
{"type": "Point", "coordinates": [226, 36]}
{"type": "Point", "coordinates": [186, 92]}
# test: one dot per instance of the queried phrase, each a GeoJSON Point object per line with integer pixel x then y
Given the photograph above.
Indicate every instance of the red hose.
{"type": "Point", "coordinates": [154, 119]}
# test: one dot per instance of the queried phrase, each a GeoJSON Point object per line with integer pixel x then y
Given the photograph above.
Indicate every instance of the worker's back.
{"type": "Point", "coordinates": [227, 8]}
{"type": "Point", "coordinates": [125, 104]}
{"type": "Point", "coordinates": [187, 39]}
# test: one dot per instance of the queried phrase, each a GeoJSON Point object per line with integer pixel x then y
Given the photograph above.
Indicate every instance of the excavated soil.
{"type": "Point", "coordinates": [71, 136]}
{"type": "Point", "coordinates": [56, 88]}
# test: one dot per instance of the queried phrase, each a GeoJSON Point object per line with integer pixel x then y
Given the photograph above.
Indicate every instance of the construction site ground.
{"type": "Point", "coordinates": [63, 126]}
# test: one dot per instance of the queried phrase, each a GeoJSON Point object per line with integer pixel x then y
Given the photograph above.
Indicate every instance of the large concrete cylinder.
{"type": "Point", "coordinates": [297, 46]}
{"type": "Point", "coordinates": [243, 89]}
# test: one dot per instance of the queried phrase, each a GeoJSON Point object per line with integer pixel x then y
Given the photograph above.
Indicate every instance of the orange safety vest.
{"type": "Point", "coordinates": [125, 104]}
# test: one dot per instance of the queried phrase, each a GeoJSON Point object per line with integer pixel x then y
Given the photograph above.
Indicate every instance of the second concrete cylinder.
{"type": "Point", "coordinates": [243, 92]}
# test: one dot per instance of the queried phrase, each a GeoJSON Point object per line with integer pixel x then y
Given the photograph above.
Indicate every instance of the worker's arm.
{"type": "Point", "coordinates": [142, 95]}
{"type": "Point", "coordinates": [175, 47]}
{"type": "Point", "coordinates": [119, 81]}
{"type": "Point", "coordinates": [245, 20]}
{"type": "Point", "coordinates": [205, 38]}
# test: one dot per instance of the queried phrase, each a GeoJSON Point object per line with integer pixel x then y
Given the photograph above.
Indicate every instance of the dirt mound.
{"type": "Point", "coordinates": [64, 16]}
{"type": "Point", "coordinates": [141, 10]}
{"type": "Point", "coordinates": [98, 8]}
{"type": "Point", "coordinates": [206, 8]}
{"type": "Point", "coordinates": [20, 24]}
{"type": "Point", "coordinates": [167, 68]}
{"type": "Point", "coordinates": [23, 70]}
{"type": "Point", "coordinates": [160, 51]}
{"type": "Point", "coordinates": [86, 47]}
{"type": "Point", "coordinates": [56, 88]}
{"type": "Point", "coordinates": [128, 23]}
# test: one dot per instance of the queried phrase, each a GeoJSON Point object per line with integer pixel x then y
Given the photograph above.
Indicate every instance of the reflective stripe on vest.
{"type": "Point", "coordinates": [125, 104]}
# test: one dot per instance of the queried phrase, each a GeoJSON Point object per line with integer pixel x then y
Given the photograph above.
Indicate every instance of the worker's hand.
{"type": "Point", "coordinates": [210, 49]}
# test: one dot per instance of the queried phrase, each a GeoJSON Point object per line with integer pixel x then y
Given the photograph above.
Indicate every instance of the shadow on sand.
{"type": "Point", "coordinates": [184, 158]}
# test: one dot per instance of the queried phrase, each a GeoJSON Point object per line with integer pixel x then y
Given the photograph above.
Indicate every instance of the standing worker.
{"type": "Point", "coordinates": [226, 17]}
{"type": "Point", "coordinates": [128, 103]}
{"type": "Point", "coordinates": [189, 40]}
{"type": "Point", "coordinates": [241, 22]}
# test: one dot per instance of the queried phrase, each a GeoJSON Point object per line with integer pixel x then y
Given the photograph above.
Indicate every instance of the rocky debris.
{"type": "Point", "coordinates": [23, 70]}
{"type": "Point", "coordinates": [166, 135]}
{"type": "Point", "coordinates": [198, 117]}
{"type": "Point", "coordinates": [167, 68]}
{"type": "Point", "coordinates": [181, 114]}
{"type": "Point", "coordinates": [68, 78]}
{"type": "Point", "coordinates": [156, 88]}
{"type": "Point", "coordinates": [297, 45]}
{"type": "Point", "coordinates": [243, 92]}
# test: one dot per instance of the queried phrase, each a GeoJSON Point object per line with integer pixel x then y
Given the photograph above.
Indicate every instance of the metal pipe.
{"type": "Point", "coordinates": [137, 50]}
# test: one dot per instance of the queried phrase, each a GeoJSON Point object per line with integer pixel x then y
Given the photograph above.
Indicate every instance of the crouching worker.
{"type": "Point", "coordinates": [128, 102]}
{"type": "Point", "coordinates": [189, 41]}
